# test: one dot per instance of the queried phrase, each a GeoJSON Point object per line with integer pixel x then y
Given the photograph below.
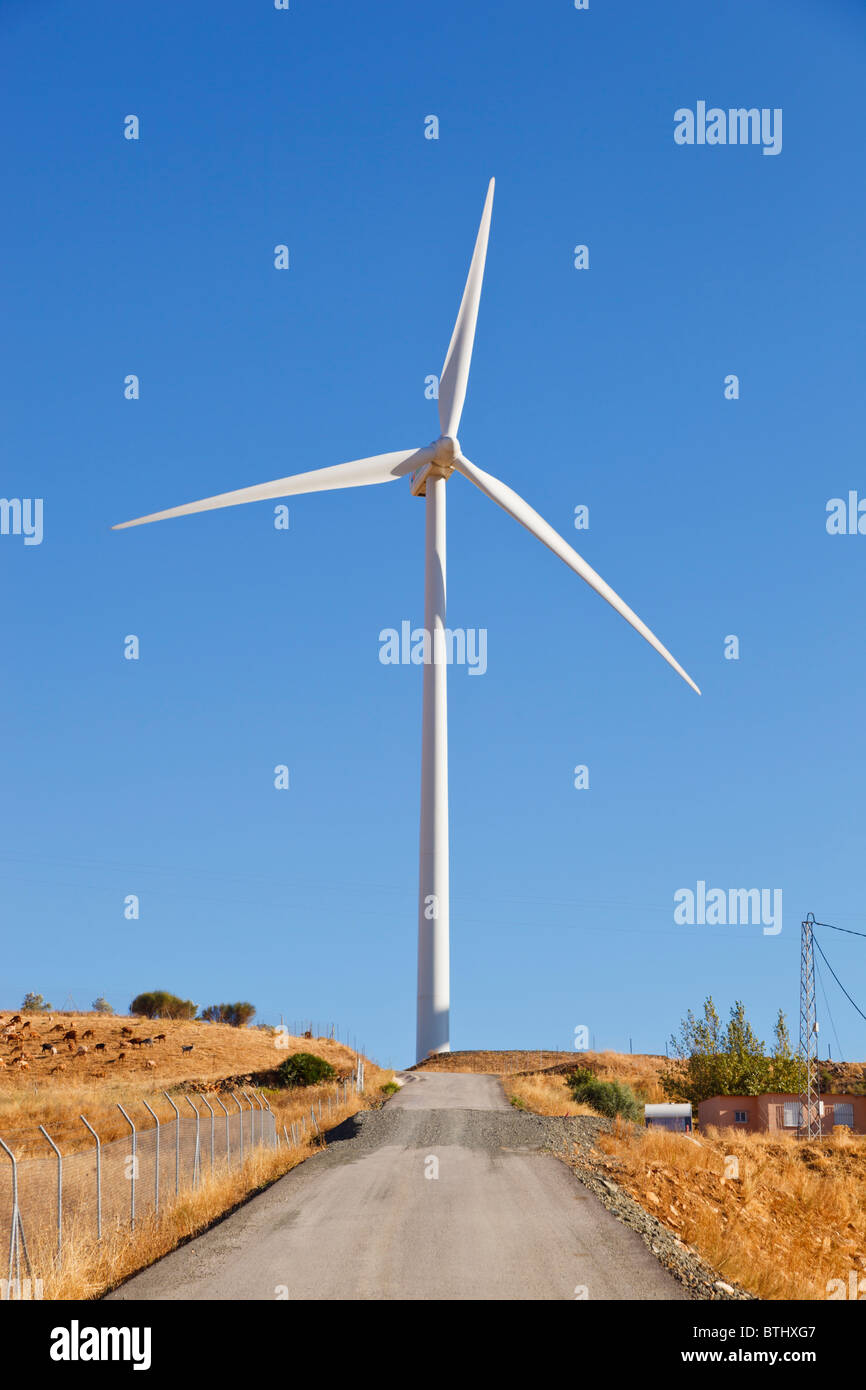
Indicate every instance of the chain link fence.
{"type": "Point", "coordinates": [92, 1191]}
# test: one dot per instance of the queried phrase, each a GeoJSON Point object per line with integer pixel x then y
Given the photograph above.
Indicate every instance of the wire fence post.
{"type": "Point", "coordinates": [196, 1174]}
{"type": "Point", "coordinates": [16, 1235]}
{"type": "Point", "coordinates": [59, 1193]}
{"type": "Point", "coordinates": [228, 1138]}
{"type": "Point", "coordinates": [241, 1109]}
{"type": "Point", "coordinates": [156, 1176]}
{"type": "Point", "coordinates": [98, 1177]}
{"type": "Point", "coordinates": [134, 1166]}
{"type": "Point", "coordinates": [206, 1102]}
{"type": "Point", "coordinates": [176, 1142]}
{"type": "Point", "coordinates": [252, 1117]}
{"type": "Point", "coordinates": [273, 1121]}
{"type": "Point", "coordinates": [252, 1120]}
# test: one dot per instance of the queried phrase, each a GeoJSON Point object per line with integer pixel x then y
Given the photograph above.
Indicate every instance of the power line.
{"type": "Point", "coordinates": [820, 980]}
{"type": "Point", "coordinates": [847, 930]}
{"type": "Point", "coordinates": [836, 977]}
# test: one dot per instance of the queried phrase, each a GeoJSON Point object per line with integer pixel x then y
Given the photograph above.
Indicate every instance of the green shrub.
{"type": "Point", "coordinates": [609, 1098]}
{"type": "Point", "coordinates": [305, 1069]}
{"type": "Point", "coordinates": [160, 1004]}
{"type": "Point", "coordinates": [389, 1088]}
{"type": "Point", "coordinates": [238, 1015]}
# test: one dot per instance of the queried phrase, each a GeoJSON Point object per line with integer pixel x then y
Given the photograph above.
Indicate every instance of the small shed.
{"type": "Point", "coordinates": [674, 1115]}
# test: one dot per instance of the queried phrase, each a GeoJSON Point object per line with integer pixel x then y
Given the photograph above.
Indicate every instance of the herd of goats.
{"type": "Point", "coordinates": [17, 1032]}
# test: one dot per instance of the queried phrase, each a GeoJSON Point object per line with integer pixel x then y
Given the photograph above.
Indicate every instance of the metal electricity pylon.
{"type": "Point", "coordinates": [809, 1126]}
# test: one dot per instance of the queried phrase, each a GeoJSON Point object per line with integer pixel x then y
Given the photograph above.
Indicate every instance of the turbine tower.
{"type": "Point", "coordinates": [430, 468]}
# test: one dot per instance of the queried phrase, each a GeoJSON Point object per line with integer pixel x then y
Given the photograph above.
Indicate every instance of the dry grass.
{"type": "Point", "coordinates": [495, 1063]}
{"type": "Point", "coordinates": [642, 1071]}
{"type": "Point", "coordinates": [544, 1094]}
{"type": "Point", "coordinates": [794, 1219]}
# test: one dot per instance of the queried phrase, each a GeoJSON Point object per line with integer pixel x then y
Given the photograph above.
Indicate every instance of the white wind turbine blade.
{"type": "Point", "coordinates": [381, 468]}
{"type": "Point", "coordinates": [510, 502]}
{"type": "Point", "coordinates": [455, 372]}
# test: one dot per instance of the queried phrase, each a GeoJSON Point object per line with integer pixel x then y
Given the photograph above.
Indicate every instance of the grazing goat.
{"type": "Point", "coordinates": [100, 1047]}
{"type": "Point", "coordinates": [150, 1064]}
{"type": "Point", "coordinates": [160, 1037]}
{"type": "Point", "coordinates": [26, 1024]}
{"type": "Point", "coordinates": [88, 1033]}
{"type": "Point", "coordinates": [70, 1035]}
{"type": "Point", "coordinates": [126, 1032]}
{"type": "Point", "coordinates": [82, 1051]}
{"type": "Point", "coordinates": [15, 1019]}
{"type": "Point", "coordinates": [188, 1047]}
{"type": "Point", "coordinates": [147, 1042]}
{"type": "Point", "coordinates": [49, 1047]}
{"type": "Point", "coordinates": [58, 1028]}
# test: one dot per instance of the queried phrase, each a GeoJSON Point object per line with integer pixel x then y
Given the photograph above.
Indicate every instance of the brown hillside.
{"type": "Point", "coordinates": [643, 1070]}
{"type": "Point", "coordinates": [55, 1089]}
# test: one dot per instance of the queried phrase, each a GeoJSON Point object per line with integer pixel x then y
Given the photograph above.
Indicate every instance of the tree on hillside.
{"type": "Point", "coordinates": [746, 1071]}
{"type": "Point", "coordinates": [101, 1006]}
{"type": "Point", "coordinates": [696, 1073]}
{"type": "Point", "coordinates": [35, 1004]}
{"type": "Point", "coordinates": [715, 1061]}
{"type": "Point", "coordinates": [786, 1068]}
{"type": "Point", "coordinates": [160, 1004]}
{"type": "Point", "coordinates": [238, 1015]}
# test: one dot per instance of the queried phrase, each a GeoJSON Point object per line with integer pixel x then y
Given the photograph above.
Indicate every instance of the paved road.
{"type": "Point", "coordinates": [364, 1221]}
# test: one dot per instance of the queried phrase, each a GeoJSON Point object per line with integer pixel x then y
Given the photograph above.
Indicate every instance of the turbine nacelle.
{"type": "Point", "coordinates": [444, 451]}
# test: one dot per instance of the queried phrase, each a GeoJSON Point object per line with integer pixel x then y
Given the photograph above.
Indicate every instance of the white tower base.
{"type": "Point", "coordinates": [433, 963]}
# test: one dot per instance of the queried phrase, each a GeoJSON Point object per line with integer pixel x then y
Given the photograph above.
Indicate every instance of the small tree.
{"type": "Point", "coordinates": [160, 1004]}
{"type": "Point", "coordinates": [101, 1006]}
{"type": "Point", "coordinates": [747, 1071]}
{"type": "Point", "coordinates": [35, 1004]}
{"type": "Point", "coordinates": [305, 1069]}
{"type": "Point", "coordinates": [238, 1015]}
{"type": "Point", "coordinates": [786, 1068]}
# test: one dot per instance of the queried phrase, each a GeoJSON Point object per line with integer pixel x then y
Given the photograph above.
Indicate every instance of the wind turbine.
{"type": "Point", "coordinates": [430, 468]}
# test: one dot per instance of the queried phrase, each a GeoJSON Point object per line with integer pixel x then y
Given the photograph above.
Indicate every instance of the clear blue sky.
{"type": "Point", "coordinates": [602, 387]}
